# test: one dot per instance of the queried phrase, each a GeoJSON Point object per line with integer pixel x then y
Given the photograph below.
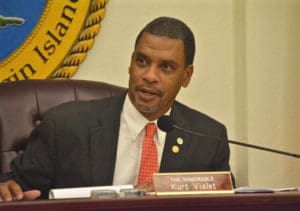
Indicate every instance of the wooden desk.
{"type": "Point", "coordinates": [269, 201]}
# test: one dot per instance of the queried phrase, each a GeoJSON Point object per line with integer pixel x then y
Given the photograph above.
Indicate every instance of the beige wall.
{"type": "Point", "coordinates": [273, 82]}
{"type": "Point", "coordinates": [246, 72]}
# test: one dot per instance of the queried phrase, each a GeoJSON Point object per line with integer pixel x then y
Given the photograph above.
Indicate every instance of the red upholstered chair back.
{"type": "Point", "coordinates": [23, 103]}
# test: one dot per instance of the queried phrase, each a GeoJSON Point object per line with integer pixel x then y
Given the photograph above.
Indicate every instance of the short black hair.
{"type": "Point", "coordinates": [174, 29]}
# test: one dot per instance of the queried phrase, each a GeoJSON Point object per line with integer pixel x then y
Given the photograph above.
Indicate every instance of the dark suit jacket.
{"type": "Point", "coordinates": [76, 145]}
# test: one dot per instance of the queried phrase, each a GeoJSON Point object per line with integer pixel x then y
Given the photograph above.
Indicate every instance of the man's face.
{"type": "Point", "coordinates": [157, 72]}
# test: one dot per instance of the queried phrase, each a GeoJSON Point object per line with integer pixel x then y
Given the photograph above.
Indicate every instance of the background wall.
{"type": "Point", "coordinates": [246, 73]}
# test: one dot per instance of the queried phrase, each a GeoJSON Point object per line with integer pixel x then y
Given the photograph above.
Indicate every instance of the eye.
{"type": "Point", "coordinates": [168, 67]}
{"type": "Point", "coordinates": [141, 60]}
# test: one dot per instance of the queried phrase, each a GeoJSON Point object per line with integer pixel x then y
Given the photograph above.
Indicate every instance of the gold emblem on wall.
{"type": "Point", "coordinates": [55, 45]}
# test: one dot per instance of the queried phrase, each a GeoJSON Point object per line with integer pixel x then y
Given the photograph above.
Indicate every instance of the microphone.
{"type": "Point", "coordinates": [166, 124]}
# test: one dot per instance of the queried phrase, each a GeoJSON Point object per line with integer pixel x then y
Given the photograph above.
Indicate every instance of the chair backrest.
{"type": "Point", "coordinates": [23, 103]}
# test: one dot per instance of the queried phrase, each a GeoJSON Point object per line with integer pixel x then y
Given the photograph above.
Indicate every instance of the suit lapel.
{"type": "Point", "coordinates": [104, 140]}
{"type": "Point", "coordinates": [176, 145]}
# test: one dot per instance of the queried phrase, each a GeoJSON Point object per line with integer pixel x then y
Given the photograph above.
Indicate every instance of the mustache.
{"type": "Point", "coordinates": [149, 88]}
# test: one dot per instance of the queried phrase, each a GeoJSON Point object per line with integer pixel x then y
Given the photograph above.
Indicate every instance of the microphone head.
{"type": "Point", "coordinates": [165, 123]}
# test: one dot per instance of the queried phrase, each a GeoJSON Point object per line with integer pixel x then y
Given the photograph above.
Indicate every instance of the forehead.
{"type": "Point", "coordinates": [153, 45]}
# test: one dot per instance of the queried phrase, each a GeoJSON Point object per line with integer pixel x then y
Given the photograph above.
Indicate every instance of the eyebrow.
{"type": "Point", "coordinates": [170, 62]}
{"type": "Point", "coordinates": [137, 53]}
{"type": "Point", "coordinates": [167, 61]}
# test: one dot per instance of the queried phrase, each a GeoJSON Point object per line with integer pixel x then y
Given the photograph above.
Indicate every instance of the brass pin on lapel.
{"type": "Point", "coordinates": [175, 149]}
{"type": "Point", "coordinates": [179, 141]}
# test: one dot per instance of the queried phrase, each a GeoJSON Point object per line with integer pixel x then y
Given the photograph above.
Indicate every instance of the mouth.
{"type": "Point", "coordinates": [148, 94]}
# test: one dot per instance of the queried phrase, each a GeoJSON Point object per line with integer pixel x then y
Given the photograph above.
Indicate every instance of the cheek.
{"type": "Point", "coordinates": [134, 71]}
{"type": "Point", "coordinates": [132, 75]}
{"type": "Point", "coordinates": [172, 88]}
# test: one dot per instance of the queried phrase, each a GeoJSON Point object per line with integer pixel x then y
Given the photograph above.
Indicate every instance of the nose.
{"type": "Point", "coordinates": [151, 74]}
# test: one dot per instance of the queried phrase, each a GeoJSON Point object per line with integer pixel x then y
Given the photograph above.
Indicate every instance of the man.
{"type": "Point", "coordinates": [100, 142]}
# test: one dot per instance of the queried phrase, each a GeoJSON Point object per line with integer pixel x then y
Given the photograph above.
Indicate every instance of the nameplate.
{"type": "Point", "coordinates": [193, 183]}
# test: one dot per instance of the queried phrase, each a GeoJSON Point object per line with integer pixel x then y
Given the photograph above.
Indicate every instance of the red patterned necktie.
{"type": "Point", "coordinates": [149, 161]}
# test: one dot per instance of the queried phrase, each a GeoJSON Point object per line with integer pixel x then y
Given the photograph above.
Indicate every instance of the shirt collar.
{"type": "Point", "coordinates": [135, 121]}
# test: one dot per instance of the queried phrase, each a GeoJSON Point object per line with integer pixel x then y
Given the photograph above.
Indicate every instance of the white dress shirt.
{"type": "Point", "coordinates": [131, 135]}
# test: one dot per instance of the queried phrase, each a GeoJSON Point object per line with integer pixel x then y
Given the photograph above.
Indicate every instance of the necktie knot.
{"type": "Point", "coordinates": [150, 130]}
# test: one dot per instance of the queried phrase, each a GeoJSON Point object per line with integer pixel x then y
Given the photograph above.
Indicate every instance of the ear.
{"type": "Point", "coordinates": [187, 75]}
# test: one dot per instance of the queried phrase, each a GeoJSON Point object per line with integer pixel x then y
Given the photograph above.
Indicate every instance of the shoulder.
{"type": "Point", "coordinates": [194, 119]}
{"type": "Point", "coordinates": [83, 108]}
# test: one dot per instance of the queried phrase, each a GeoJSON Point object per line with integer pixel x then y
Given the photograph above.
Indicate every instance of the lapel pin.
{"type": "Point", "coordinates": [175, 149]}
{"type": "Point", "coordinates": [179, 141]}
